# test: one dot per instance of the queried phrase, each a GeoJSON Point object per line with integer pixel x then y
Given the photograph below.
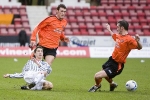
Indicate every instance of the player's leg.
{"type": "Point", "coordinates": [49, 59]}
{"type": "Point", "coordinates": [98, 78]}
{"type": "Point", "coordinates": [113, 85]}
{"type": "Point", "coordinates": [49, 55]}
{"type": "Point", "coordinates": [47, 85]}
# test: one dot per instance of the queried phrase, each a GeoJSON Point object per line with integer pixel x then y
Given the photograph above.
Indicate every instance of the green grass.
{"type": "Point", "coordinates": [72, 77]}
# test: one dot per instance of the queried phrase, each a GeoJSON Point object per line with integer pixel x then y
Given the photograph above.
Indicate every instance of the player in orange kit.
{"type": "Point", "coordinates": [115, 64]}
{"type": "Point", "coordinates": [50, 31]}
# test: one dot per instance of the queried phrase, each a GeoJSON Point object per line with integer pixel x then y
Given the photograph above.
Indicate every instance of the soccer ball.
{"type": "Point", "coordinates": [131, 85]}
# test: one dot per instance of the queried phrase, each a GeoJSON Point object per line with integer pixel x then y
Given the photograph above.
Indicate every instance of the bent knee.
{"type": "Point", "coordinates": [101, 74]}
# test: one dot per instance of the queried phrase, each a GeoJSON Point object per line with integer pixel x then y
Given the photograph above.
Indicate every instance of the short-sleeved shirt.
{"type": "Point", "coordinates": [124, 44]}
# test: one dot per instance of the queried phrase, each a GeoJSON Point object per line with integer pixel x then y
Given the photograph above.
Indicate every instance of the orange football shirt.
{"type": "Point", "coordinates": [124, 44]}
{"type": "Point", "coordinates": [50, 32]}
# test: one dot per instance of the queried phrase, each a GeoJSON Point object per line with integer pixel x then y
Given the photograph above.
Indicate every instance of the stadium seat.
{"type": "Point", "coordinates": [68, 32]}
{"type": "Point", "coordinates": [72, 19]}
{"type": "Point", "coordinates": [11, 31]}
{"type": "Point", "coordinates": [92, 32]}
{"type": "Point", "coordinates": [87, 14]}
{"type": "Point", "coordinates": [93, 13]}
{"type": "Point", "coordinates": [119, 3]}
{"type": "Point", "coordinates": [90, 26]}
{"type": "Point", "coordinates": [70, 13]}
{"type": "Point", "coordinates": [104, 3]}
{"type": "Point", "coordinates": [85, 9]}
{"type": "Point", "coordinates": [116, 8]}
{"type": "Point", "coordinates": [68, 26]}
{"type": "Point", "coordinates": [135, 2]}
{"type": "Point", "coordinates": [78, 13]}
{"type": "Point", "coordinates": [17, 21]}
{"type": "Point", "coordinates": [76, 32]}
{"type": "Point", "coordinates": [84, 32]}
{"type": "Point", "coordinates": [100, 8]}
{"type": "Point", "coordinates": [139, 31]}
{"type": "Point", "coordinates": [131, 8]}
{"type": "Point", "coordinates": [77, 8]}
{"type": "Point", "coordinates": [142, 2]}
{"type": "Point", "coordinates": [3, 32]}
{"type": "Point", "coordinates": [96, 19]}
{"type": "Point", "coordinates": [111, 2]}
{"type": "Point", "coordinates": [80, 19]}
{"type": "Point", "coordinates": [88, 19]}
{"type": "Point", "coordinates": [127, 2]}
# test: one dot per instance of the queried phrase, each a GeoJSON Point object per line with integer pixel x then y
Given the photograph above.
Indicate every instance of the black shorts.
{"type": "Point", "coordinates": [48, 51]}
{"type": "Point", "coordinates": [112, 68]}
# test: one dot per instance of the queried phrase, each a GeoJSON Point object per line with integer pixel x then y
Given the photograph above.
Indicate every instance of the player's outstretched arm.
{"type": "Point", "coordinates": [137, 38]}
{"type": "Point", "coordinates": [108, 28]}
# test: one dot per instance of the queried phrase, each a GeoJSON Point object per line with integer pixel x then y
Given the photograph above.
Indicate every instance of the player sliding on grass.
{"type": "Point", "coordinates": [50, 31]}
{"type": "Point", "coordinates": [115, 64]}
{"type": "Point", "coordinates": [35, 72]}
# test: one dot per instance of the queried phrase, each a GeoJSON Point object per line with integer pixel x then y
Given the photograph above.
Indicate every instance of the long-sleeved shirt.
{"type": "Point", "coordinates": [50, 32]}
{"type": "Point", "coordinates": [32, 66]}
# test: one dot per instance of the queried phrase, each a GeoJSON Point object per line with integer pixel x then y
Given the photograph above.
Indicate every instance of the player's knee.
{"type": "Point", "coordinates": [99, 75]}
{"type": "Point", "coordinates": [47, 85]}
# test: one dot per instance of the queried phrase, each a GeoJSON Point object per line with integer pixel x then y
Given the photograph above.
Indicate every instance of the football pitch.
{"type": "Point", "coordinates": [73, 77]}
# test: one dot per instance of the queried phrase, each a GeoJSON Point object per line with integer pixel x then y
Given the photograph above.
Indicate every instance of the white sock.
{"type": "Point", "coordinates": [38, 78]}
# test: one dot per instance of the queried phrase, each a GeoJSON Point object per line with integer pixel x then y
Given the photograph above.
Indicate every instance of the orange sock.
{"type": "Point", "coordinates": [98, 81]}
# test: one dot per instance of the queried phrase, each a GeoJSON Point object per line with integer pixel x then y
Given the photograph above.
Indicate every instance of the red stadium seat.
{"type": "Point", "coordinates": [116, 8]}
{"type": "Point", "coordinates": [119, 3]}
{"type": "Point", "coordinates": [92, 32]}
{"type": "Point", "coordinates": [77, 8]}
{"type": "Point", "coordinates": [104, 3]}
{"type": "Point", "coordinates": [11, 31]}
{"type": "Point", "coordinates": [84, 32]}
{"type": "Point", "coordinates": [74, 26]}
{"type": "Point", "coordinates": [131, 8]}
{"type": "Point", "coordinates": [142, 2]}
{"type": "Point", "coordinates": [143, 22]}
{"type": "Point", "coordinates": [135, 2]}
{"type": "Point", "coordinates": [68, 32]}
{"type": "Point", "coordinates": [90, 26]}
{"type": "Point", "coordinates": [68, 26]}
{"type": "Point", "coordinates": [3, 32]}
{"type": "Point", "coordinates": [80, 19]}
{"type": "Point", "coordinates": [127, 2]}
{"type": "Point", "coordinates": [100, 8]}
{"type": "Point", "coordinates": [76, 32]}
{"type": "Point", "coordinates": [88, 19]}
{"type": "Point", "coordinates": [139, 31]}
{"type": "Point", "coordinates": [87, 14]}
{"type": "Point", "coordinates": [96, 19]}
{"type": "Point", "coordinates": [70, 13]}
{"type": "Point", "coordinates": [85, 9]}
{"type": "Point", "coordinates": [111, 2]}
{"type": "Point", "coordinates": [17, 21]}
{"type": "Point", "coordinates": [78, 13]}
{"type": "Point", "coordinates": [108, 9]}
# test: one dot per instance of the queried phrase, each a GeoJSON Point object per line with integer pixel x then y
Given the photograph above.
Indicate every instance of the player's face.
{"type": "Point", "coordinates": [119, 29]}
{"type": "Point", "coordinates": [39, 53]}
{"type": "Point", "coordinates": [61, 13]}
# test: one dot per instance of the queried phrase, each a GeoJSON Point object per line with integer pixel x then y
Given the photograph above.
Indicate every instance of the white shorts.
{"type": "Point", "coordinates": [29, 76]}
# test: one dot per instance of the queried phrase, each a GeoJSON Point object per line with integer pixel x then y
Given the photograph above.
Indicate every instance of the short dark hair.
{"type": "Point", "coordinates": [61, 6]}
{"type": "Point", "coordinates": [124, 24]}
{"type": "Point", "coordinates": [37, 48]}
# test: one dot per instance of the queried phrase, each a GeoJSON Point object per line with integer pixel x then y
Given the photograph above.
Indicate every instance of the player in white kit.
{"type": "Point", "coordinates": [34, 72]}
